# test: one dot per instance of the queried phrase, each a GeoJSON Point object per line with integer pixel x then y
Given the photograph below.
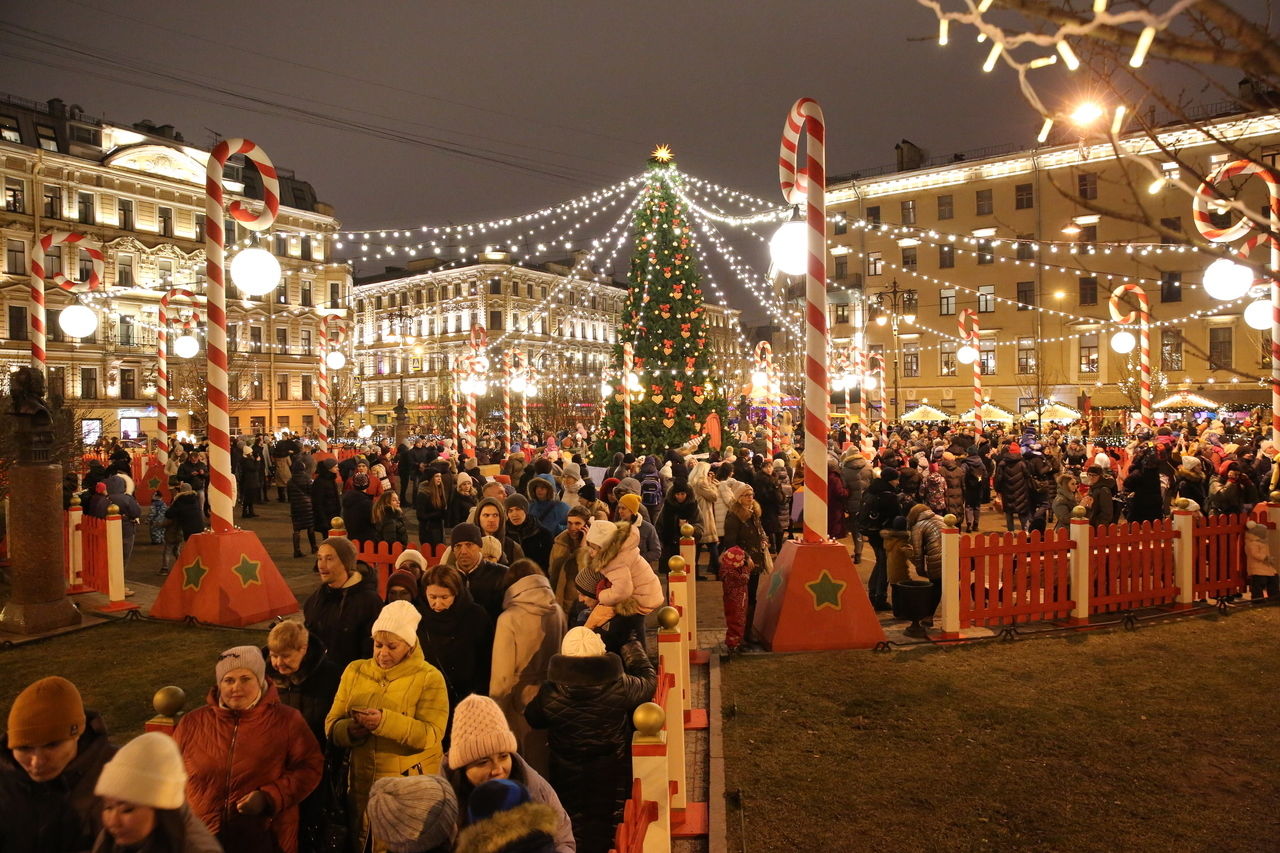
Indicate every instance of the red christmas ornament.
{"type": "Point", "coordinates": [685, 330]}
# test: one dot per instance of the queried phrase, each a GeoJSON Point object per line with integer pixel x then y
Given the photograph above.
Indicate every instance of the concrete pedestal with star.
{"type": "Point", "coordinates": [814, 601]}
{"type": "Point", "coordinates": [224, 579]}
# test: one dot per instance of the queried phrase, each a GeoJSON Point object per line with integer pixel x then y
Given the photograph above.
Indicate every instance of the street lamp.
{"type": "Point", "coordinates": [892, 306]}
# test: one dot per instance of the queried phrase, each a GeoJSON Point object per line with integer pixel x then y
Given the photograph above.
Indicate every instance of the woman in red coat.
{"type": "Point", "coordinates": [250, 760]}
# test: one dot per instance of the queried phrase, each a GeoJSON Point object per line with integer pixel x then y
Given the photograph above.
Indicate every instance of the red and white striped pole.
{"type": "Point", "coordinates": [876, 366]}
{"type": "Point", "coordinates": [809, 185]}
{"type": "Point", "coordinates": [508, 374]}
{"type": "Point", "coordinates": [477, 367]}
{"type": "Point", "coordinates": [36, 323]}
{"type": "Point", "coordinates": [967, 320]}
{"type": "Point", "coordinates": [1143, 318]}
{"type": "Point", "coordinates": [162, 360]}
{"type": "Point", "coordinates": [322, 384]}
{"type": "Point", "coordinates": [628, 362]}
{"type": "Point", "coordinates": [862, 390]}
{"type": "Point", "coordinates": [221, 489]}
{"type": "Point", "coordinates": [1201, 203]}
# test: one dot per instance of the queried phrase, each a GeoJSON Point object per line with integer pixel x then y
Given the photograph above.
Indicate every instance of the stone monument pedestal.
{"type": "Point", "coordinates": [38, 600]}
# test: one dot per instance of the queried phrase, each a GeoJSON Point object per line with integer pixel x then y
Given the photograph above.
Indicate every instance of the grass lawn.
{"type": "Point", "coordinates": [1161, 739]}
{"type": "Point", "coordinates": [119, 666]}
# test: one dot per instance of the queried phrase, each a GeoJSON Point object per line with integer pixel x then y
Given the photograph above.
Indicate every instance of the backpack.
{"type": "Point", "coordinates": [651, 492]}
{"type": "Point", "coordinates": [871, 517]}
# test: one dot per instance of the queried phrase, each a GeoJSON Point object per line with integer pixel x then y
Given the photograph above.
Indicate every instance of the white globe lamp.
{"type": "Point", "coordinates": [869, 383]}
{"type": "Point", "coordinates": [838, 383]}
{"type": "Point", "coordinates": [186, 346]}
{"type": "Point", "coordinates": [967, 354]}
{"type": "Point", "coordinates": [633, 382]}
{"type": "Point", "coordinates": [1258, 314]}
{"type": "Point", "coordinates": [335, 360]}
{"type": "Point", "coordinates": [1123, 342]}
{"type": "Point", "coordinates": [789, 248]}
{"type": "Point", "coordinates": [365, 431]}
{"type": "Point", "coordinates": [518, 384]}
{"type": "Point", "coordinates": [531, 390]}
{"type": "Point", "coordinates": [255, 271]}
{"type": "Point", "coordinates": [760, 379]}
{"type": "Point", "coordinates": [1224, 279]}
{"type": "Point", "coordinates": [78, 321]}
{"type": "Point", "coordinates": [605, 390]}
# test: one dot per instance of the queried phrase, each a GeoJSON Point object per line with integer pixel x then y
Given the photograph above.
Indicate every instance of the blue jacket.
{"type": "Point", "coordinates": [551, 512]}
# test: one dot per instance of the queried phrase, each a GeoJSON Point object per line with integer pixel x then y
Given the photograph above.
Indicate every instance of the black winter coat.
{"type": "Point", "coordinates": [1143, 486]}
{"type": "Point", "coordinates": [326, 502]}
{"type": "Point", "coordinates": [1013, 482]}
{"type": "Point", "coordinates": [674, 514]}
{"type": "Point", "coordinates": [585, 704]}
{"type": "Point", "coordinates": [487, 586]}
{"type": "Point", "coordinates": [298, 490]}
{"type": "Point", "coordinates": [534, 540]}
{"type": "Point", "coordinates": [886, 506]}
{"type": "Point", "coordinates": [343, 618]}
{"type": "Point", "coordinates": [186, 513]}
{"type": "Point", "coordinates": [459, 643]}
{"type": "Point", "coordinates": [357, 515]}
{"type": "Point", "coordinates": [311, 689]}
{"type": "Point", "coordinates": [953, 472]}
{"type": "Point", "coordinates": [61, 816]}
{"type": "Point", "coordinates": [250, 474]}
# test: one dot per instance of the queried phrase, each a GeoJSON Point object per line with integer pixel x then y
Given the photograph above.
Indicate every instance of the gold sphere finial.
{"type": "Point", "coordinates": [686, 530]}
{"type": "Point", "coordinates": [669, 618]}
{"type": "Point", "coordinates": [112, 509]}
{"type": "Point", "coordinates": [1275, 497]}
{"type": "Point", "coordinates": [1079, 512]}
{"type": "Point", "coordinates": [649, 719]}
{"type": "Point", "coordinates": [950, 520]}
{"type": "Point", "coordinates": [662, 154]}
{"type": "Point", "coordinates": [677, 565]}
{"type": "Point", "coordinates": [169, 700]}
{"type": "Point", "coordinates": [75, 500]}
{"type": "Point", "coordinates": [336, 523]}
{"type": "Point", "coordinates": [1181, 503]}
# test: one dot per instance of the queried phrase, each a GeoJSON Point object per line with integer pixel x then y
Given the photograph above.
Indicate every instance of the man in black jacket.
{"type": "Point", "coordinates": [485, 581]}
{"type": "Point", "coordinates": [881, 507]}
{"type": "Point", "coordinates": [50, 759]}
{"type": "Point", "coordinates": [341, 612]}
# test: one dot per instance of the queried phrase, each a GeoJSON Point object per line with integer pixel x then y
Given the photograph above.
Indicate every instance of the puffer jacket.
{"type": "Point", "coordinates": [706, 494]}
{"type": "Point", "coordinates": [62, 814]}
{"type": "Point", "coordinates": [629, 575]}
{"type": "Point", "coordinates": [673, 516]}
{"type": "Point", "coordinates": [1191, 483]}
{"type": "Point", "coordinates": [298, 490]}
{"type": "Point", "coordinates": [230, 754]}
{"type": "Point", "coordinates": [326, 500]}
{"type": "Point", "coordinates": [1014, 483]}
{"type": "Point", "coordinates": [585, 705]}
{"type": "Point", "coordinates": [742, 529]}
{"type": "Point", "coordinates": [311, 689]}
{"type": "Point", "coordinates": [343, 618]}
{"type": "Point", "coordinates": [528, 633]}
{"type": "Point", "coordinates": [415, 711]}
{"type": "Point", "coordinates": [540, 791]}
{"type": "Point", "coordinates": [857, 475]}
{"type": "Point", "coordinates": [977, 470]}
{"type": "Point", "coordinates": [953, 472]}
{"type": "Point", "coordinates": [898, 553]}
{"type": "Point", "coordinates": [925, 528]}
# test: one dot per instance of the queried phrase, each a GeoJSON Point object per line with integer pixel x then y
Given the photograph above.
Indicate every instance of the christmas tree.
{"type": "Point", "coordinates": [665, 322]}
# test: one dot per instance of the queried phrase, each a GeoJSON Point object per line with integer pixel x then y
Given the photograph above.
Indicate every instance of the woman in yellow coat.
{"type": "Point", "coordinates": [391, 711]}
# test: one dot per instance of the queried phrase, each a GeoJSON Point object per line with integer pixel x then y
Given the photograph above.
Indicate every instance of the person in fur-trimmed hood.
{"type": "Point", "coordinates": [619, 580]}
{"type": "Point", "coordinates": [505, 820]}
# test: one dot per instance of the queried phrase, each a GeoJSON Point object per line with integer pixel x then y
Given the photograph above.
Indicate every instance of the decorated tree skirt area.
{"type": "Point", "coordinates": [1146, 740]}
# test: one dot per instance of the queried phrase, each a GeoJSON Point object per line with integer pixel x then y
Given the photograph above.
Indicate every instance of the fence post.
{"type": "Point", "coordinates": [1273, 516]}
{"type": "Point", "coordinates": [337, 527]}
{"type": "Point", "coordinates": [75, 549]}
{"type": "Point", "coordinates": [168, 703]}
{"type": "Point", "coordinates": [649, 767]}
{"type": "Point", "coordinates": [680, 591]}
{"type": "Point", "coordinates": [1081, 534]}
{"type": "Point", "coordinates": [1184, 553]}
{"type": "Point", "coordinates": [672, 659]}
{"type": "Point", "coordinates": [115, 563]}
{"type": "Point", "coordinates": [950, 577]}
{"type": "Point", "coordinates": [689, 618]}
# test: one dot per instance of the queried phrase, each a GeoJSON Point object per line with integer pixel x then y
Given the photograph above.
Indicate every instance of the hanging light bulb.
{"type": "Point", "coordinates": [1224, 279]}
{"type": "Point", "coordinates": [186, 346]}
{"type": "Point", "coordinates": [605, 390]}
{"type": "Point", "coordinates": [336, 360]}
{"type": "Point", "coordinates": [78, 321]}
{"type": "Point", "coordinates": [255, 271]}
{"type": "Point", "coordinates": [1258, 314]}
{"type": "Point", "coordinates": [1123, 342]}
{"type": "Point", "coordinates": [789, 247]}
{"type": "Point", "coordinates": [967, 354]}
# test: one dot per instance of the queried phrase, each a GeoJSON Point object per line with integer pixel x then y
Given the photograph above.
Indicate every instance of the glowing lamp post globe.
{"type": "Point", "coordinates": [967, 354]}
{"type": "Point", "coordinates": [336, 360]}
{"type": "Point", "coordinates": [789, 247]}
{"type": "Point", "coordinates": [1258, 314]}
{"type": "Point", "coordinates": [255, 271]}
{"type": "Point", "coordinates": [1224, 280]}
{"type": "Point", "coordinates": [78, 321]}
{"type": "Point", "coordinates": [186, 346]}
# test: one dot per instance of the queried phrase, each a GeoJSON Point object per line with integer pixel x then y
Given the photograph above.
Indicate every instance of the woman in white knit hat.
{"type": "Point", "coordinates": [144, 803]}
{"type": "Point", "coordinates": [482, 748]}
{"type": "Point", "coordinates": [391, 710]}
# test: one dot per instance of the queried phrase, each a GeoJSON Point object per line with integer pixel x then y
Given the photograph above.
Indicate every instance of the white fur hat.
{"type": "Point", "coordinates": [581, 642]}
{"type": "Point", "coordinates": [147, 771]}
{"type": "Point", "coordinates": [601, 532]}
{"type": "Point", "coordinates": [400, 618]}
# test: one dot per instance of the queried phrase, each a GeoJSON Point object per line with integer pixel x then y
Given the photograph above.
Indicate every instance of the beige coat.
{"type": "Point", "coordinates": [706, 493]}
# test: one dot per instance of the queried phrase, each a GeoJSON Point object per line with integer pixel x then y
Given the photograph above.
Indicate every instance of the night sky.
{"type": "Point", "coordinates": [554, 98]}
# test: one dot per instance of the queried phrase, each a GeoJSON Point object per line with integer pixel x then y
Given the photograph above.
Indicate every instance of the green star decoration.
{"type": "Point", "coordinates": [154, 484]}
{"type": "Point", "coordinates": [826, 591]}
{"type": "Point", "coordinates": [247, 570]}
{"type": "Point", "coordinates": [775, 584]}
{"type": "Point", "coordinates": [193, 575]}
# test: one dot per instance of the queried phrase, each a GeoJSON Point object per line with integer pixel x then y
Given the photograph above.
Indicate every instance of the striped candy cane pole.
{"type": "Point", "coordinates": [1143, 319]}
{"type": "Point", "coordinates": [220, 485]}
{"type": "Point", "coordinates": [476, 369]}
{"type": "Point", "coordinates": [968, 322]}
{"type": "Point", "coordinates": [809, 185]}
{"type": "Point", "coordinates": [162, 360]}
{"type": "Point", "coordinates": [506, 394]}
{"type": "Point", "coordinates": [322, 384]}
{"type": "Point", "coordinates": [1201, 202]}
{"type": "Point", "coordinates": [862, 390]}
{"type": "Point", "coordinates": [876, 365]}
{"type": "Point", "coordinates": [39, 248]}
{"type": "Point", "coordinates": [628, 362]}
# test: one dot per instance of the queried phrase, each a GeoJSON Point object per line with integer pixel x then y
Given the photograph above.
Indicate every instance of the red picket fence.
{"type": "Point", "coordinates": [1218, 549]}
{"type": "Point", "coordinates": [381, 557]}
{"type": "Point", "coordinates": [1015, 577]}
{"type": "Point", "coordinates": [637, 814]}
{"type": "Point", "coordinates": [93, 539]}
{"type": "Point", "coordinates": [1131, 565]}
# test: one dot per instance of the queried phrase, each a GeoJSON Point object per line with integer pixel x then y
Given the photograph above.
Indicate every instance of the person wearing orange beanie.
{"type": "Point", "coordinates": [50, 758]}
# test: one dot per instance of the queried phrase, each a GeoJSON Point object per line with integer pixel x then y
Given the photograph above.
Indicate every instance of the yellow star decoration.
{"type": "Point", "coordinates": [663, 154]}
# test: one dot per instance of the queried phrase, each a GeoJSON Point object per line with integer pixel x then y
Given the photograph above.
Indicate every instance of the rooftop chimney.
{"type": "Point", "coordinates": [909, 156]}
